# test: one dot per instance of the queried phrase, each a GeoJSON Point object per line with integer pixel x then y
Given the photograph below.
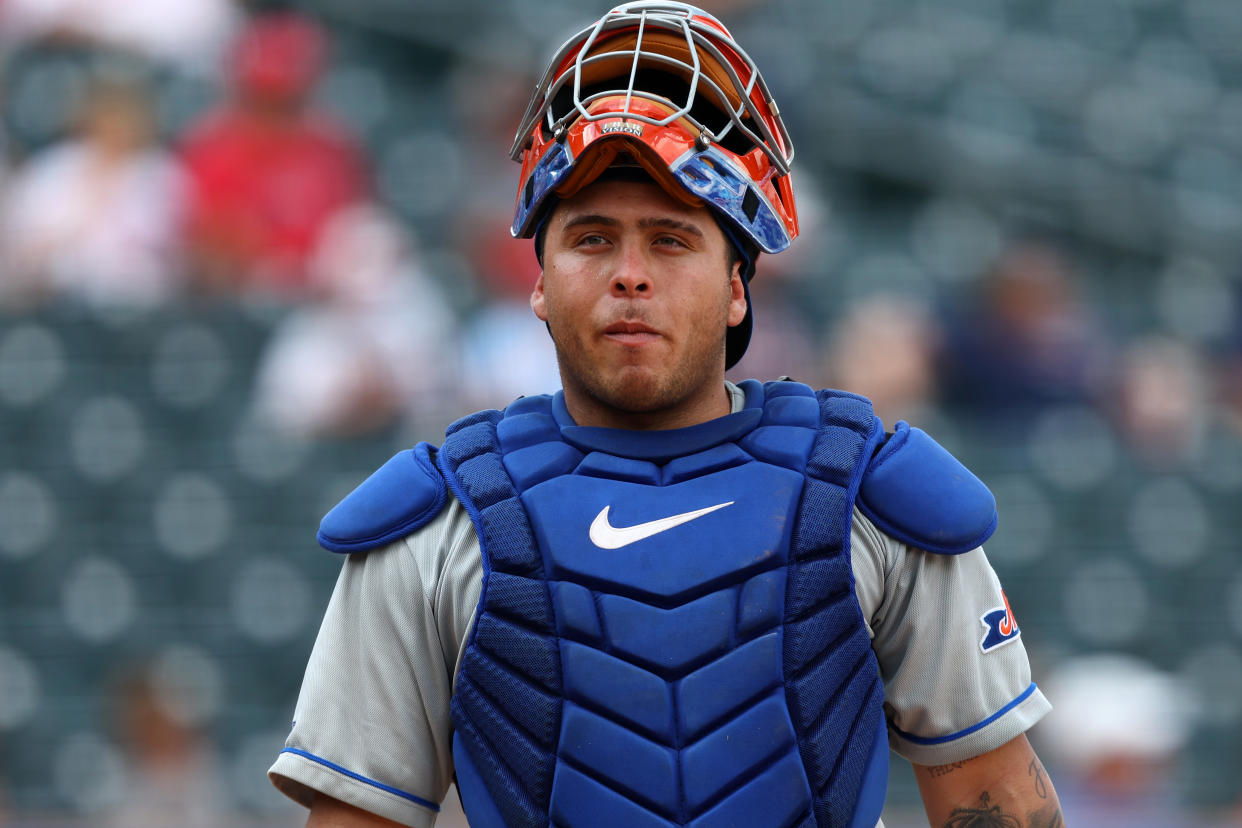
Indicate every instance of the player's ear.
{"type": "Point", "coordinates": [538, 301]}
{"type": "Point", "coordinates": [737, 300]}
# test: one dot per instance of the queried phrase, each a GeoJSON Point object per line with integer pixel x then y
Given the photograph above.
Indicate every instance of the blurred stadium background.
{"type": "Point", "coordinates": [1022, 228]}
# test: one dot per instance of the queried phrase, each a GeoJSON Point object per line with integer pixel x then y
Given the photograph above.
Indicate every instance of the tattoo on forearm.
{"type": "Point", "coordinates": [987, 815]}
{"type": "Point", "coordinates": [943, 770]}
{"type": "Point", "coordinates": [1037, 770]}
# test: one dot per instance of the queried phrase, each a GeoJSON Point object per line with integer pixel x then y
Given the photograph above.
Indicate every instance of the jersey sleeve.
{"type": "Point", "coordinates": [956, 677]}
{"type": "Point", "coordinates": [372, 725]}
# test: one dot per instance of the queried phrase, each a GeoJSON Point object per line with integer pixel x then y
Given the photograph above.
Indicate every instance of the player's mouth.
{"type": "Point", "coordinates": [631, 332]}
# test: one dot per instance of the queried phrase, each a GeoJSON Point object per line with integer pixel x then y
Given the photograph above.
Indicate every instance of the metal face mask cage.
{"type": "Point", "coordinates": [670, 78]}
{"type": "Point", "coordinates": [747, 103]}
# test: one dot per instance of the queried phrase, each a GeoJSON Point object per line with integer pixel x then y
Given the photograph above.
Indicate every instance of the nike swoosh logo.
{"type": "Point", "coordinates": [606, 536]}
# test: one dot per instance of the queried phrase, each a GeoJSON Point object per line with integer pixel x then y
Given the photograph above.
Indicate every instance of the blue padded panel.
{"type": "Point", "coordinates": [472, 436]}
{"type": "Point", "coordinates": [519, 431]}
{"type": "Point", "coordinates": [875, 781]}
{"type": "Point", "coordinates": [519, 754]}
{"type": "Point", "coordinates": [703, 463]}
{"type": "Point", "coordinates": [669, 642]}
{"type": "Point", "coordinates": [775, 797]}
{"type": "Point", "coordinates": [597, 680]}
{"type": "Point", "coordinates": [581, 802]}
{"type": "Point", "coordinates": [836, 460]}
{"type": "Point", "coordinates": [521, 600]}
{"type": "Point", "coordinates": [825, 520]}
{"type": "Point", "coordinates": [760, 601]}
{"type": "Point", "coordinates": [853, 765]}
{"type": "Point", "coordinates": [506, 704]}
{"type": "Point", "coordinates": [504, 791]}
{"type": "Point", "coordinates": [831, 695]}
{"type": "Point", "coordinates": [662, 446]}
{"type": "Point", "coordinates": [510, 542]}
{"type": "Point", "coordinates": [921, 495]}
{"type": "Point", "coordinates": [791, 410]}
{"type": "Point", "coordinates": [575, 613]}
{"type": "Point", "coordinates": [826, 738]}
{"type": "Point", "coordinates": [534, 464]}
{"type": "Point", "coordinates": [731, 682]}
{"type": "Point", "coordinates": [806, 584]}
{"type": "Point", "coordinates": [808, 637]}
{"type": "Point", "coordinates": [754, 739]}
{"type": "Point", "coordinates": [777, 388]}
{"type": "Point", "coordinates": [485, 479]}
{"type": "Point", "coordinates": [482, 811]}
{"type": "Point", "coordinates": [538, 403]}
{"type": "Point", "coordinates": [811, 692]}
{"type": "Point", "coordinates": [534, 656]}
{"type": "Point", "coordinates": [785, 446]}
{"type": "Point", "coordinates": [598, 464]}
{"type": "Point", "coordinates": [538, 712]}
{"type": "Point", "coordinates": [646, 771]}
{"type": "Point", "coordinates": [402, 495]}
{"type": "Point", "coordinates": [658, 568]}
{"type": "Point", "coordinates": [849, 411]}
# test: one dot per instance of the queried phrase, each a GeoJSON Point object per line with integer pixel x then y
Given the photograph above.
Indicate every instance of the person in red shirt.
{"type": "Point", "coordinates": [267, 170]}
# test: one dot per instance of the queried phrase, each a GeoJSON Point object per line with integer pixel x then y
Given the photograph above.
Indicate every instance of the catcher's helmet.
{"type": "Point", "coordinates": [666, 85]}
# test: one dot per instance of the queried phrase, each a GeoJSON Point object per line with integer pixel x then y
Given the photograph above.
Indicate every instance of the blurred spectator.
{"type": "Point", "coordinates": [188, 33]}
{"type": "Point", "coordinates": [503, 355]}
{"type": "Point", "coordinates": [375, 344]}
{"type": "Point", "coordinates": [268, 171]}
{"type": "Point", "coordinates": [1230, 383]}
{"type": "Point", "coordinates": [781, 343]}
{"type": "Point", "coordinates": [885, 350]}
{"type": "Point", "coordinates": [1115, 741]}
{"type": "Point", "coordinates": [172, 775]}
{"type": "Point", "coordinates": [1162, 400]}
{"type": "Point", "coordinates": [97, 216]}
{"type": "Point", "coordinates": [1030, 339]}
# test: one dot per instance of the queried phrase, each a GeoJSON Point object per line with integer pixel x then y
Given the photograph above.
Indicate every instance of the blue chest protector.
{"type": "Point", "coordinates": [668, 632]}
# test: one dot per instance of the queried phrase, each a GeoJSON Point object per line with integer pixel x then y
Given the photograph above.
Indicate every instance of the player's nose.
{"type": "Point", "coordinates": [631, 275]}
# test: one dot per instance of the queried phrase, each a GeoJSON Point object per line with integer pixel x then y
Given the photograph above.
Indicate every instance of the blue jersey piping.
{"type": "Point", "coordinates": [939, 740]}
{"type": "Point", "coordinates": [417, 800]}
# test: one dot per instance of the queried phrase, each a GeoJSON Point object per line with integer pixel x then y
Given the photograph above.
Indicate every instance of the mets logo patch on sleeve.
{"type": "Point", "coordinates": [999, 626]}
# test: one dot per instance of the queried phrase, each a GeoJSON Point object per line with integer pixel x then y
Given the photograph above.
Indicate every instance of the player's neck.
{"type": "Point", "coordinates": [588, 410]}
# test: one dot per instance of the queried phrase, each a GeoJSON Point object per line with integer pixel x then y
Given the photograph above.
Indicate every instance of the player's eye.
{"type": "Point", "coordinates": [669, 241]}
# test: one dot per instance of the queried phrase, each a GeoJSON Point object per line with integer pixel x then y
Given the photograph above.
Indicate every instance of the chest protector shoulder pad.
{"type": "Point", "coordinates": [668, 632]}
{"type": "Point", "coordinates": [918, 493]}
{"type": "Point", "coordinates": [398, 498]}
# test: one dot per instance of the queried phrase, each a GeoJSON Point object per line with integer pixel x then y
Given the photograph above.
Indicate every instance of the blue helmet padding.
{"type": "Point", "coordinates": [713, 177]}
{"type": "Point", "coordinates": [401, 496]}
{"type": "Point", "coordinates": [554, 166]}
{"type": "Point", "coordinates": [918, 493]}
{"type": "Point", "coordinates": [708, 174]}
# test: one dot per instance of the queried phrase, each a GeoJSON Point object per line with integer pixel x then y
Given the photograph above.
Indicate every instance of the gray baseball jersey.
{"type": "Point", "coordinates": [372, 724]}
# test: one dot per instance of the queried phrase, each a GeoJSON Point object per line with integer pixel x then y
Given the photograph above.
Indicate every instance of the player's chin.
{"type": "Point", "coordinates": [641, 388]}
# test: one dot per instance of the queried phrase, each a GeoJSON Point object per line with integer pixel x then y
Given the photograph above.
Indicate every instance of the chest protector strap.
{"type": "Point", "coordinates": [657, 643]}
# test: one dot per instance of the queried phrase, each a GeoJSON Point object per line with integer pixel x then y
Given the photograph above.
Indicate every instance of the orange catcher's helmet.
{"type": "Point", "coordinates": [663, 85]}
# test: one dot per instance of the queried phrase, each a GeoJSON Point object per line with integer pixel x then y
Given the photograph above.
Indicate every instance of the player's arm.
{"type": "Point", "coordinates": [327, 812]}
{"type": "Point", "coordinates": [1006, 788]}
